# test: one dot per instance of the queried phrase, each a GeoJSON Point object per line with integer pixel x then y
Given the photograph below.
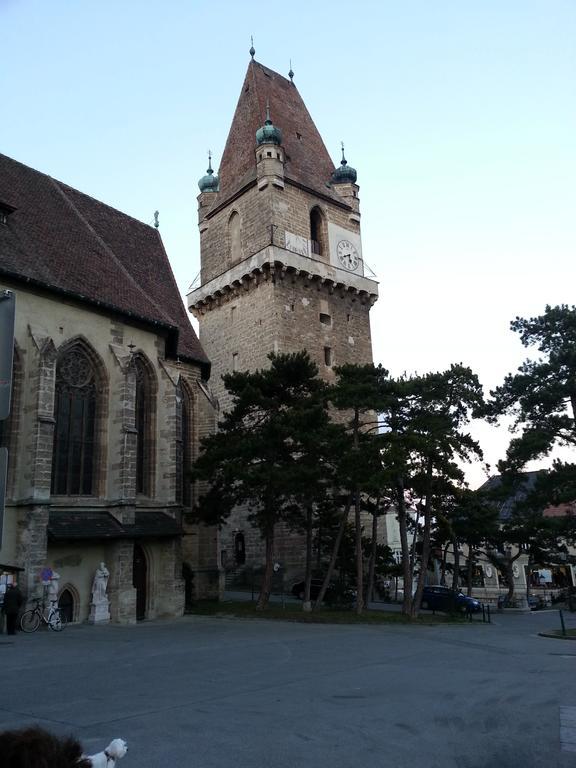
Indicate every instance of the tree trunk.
{"type": "Point", "coordinates": [334, 555]}
{"type": "Point", "coordinates": [266, 588]}
{"type": "Point", "coordinates": [456, 575]}
{"type": "Point", "coordinates": [528, 570]}
{"type": "Point", "coordinates": [373, 553]}
{"type": "Point", "coordinates": [425, 542]}
{"type": "Point", "coordinates": [470, 571]}
{"type": "Point", "coordinates": [359, 555]}
{"type": "Point", "coordinates": [510, 576]}
{"type": "Point", "coordinates": [414, 537]}
{"type": "Point", "coordinates": [406, 560]}
{"type": "Point", "coordinates": [443, 567]}
{"type": "Point", "coordinates": [307, 604]}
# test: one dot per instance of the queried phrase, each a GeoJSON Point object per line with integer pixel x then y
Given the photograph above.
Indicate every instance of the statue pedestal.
{"type": "Point", "coordinates": [99, 613]}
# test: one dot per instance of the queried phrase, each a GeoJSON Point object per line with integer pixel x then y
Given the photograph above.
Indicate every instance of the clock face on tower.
{"type": "Point", "coordinates": [347, 254]}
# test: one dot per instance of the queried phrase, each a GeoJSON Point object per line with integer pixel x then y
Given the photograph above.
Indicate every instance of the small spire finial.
{"type": "Point", "coordinates": [291, 73]}
{"type": "Point", "coordinates": [344, 161]}
{"type": "Point", "coordinates": [156, 220]}
{"type": "Point", "coordinates": [268, 121]}
{"type": "Point", "coordinates": [209, 169]}
{"type": "Point", "coordinates": [252, 51]}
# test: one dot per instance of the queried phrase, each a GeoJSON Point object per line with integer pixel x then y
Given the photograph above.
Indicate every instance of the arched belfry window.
{"type": "Point", "coordinates": [234, 234]}
{"type": "Point", "coordinates": [73, 462]}
{"type": "Point", "coordinates": [144, 412]}
{"type": "Point", "coordinates": [318, 233]}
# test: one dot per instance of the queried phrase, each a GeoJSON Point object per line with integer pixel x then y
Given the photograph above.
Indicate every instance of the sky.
{"type": "Point", "coordinates": [459, 116]}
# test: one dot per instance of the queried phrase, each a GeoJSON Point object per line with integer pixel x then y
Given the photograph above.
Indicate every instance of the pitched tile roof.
{"type": "Point", "coordinates": [307, 159]}
{"type": "Point", "coordinates": [506, 499]}
{"type": "Point", "coordinates": [69, 242]}
{"type": "Point", "coordinates": [100, 524]}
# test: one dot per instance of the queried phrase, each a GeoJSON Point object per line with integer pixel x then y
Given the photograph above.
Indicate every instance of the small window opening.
{"type": "Point", "coordinates": [268, 154]}
{"type": "Point", "coordinates": [260, 156]}
{"type": "Point", "coordinates": [232, 314]}
{"type": "Point", "coordinates": [235, 361]}
{"type": "Point", "coordinates": [278, 155]}
{"type": "Point", "coordinates": [348, 318]}
{"type": "Point", "coordinates": [240, 548]}
{"type": "Point", "coordinates": [325, 319]}
{"type": "Point", "coordinates": [298, 136]}
{"type": "Point", "coordinates": [316, 234]}
{"type": "Point", "coordinates": [5, 211]}
{"type": "Point", "coordinates": [328, 356]}
{"type": "Point", "coordinates": [292, 307]}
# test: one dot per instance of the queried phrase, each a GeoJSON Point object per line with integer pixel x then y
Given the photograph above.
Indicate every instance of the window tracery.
{"type": "Point", "coordinates": [73, 461]}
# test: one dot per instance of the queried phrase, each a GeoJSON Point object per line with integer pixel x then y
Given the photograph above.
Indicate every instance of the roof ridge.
{"type": "Point", "coordinates": [106, 247]}
{"type": "Point", "coordinates": [78, 191]}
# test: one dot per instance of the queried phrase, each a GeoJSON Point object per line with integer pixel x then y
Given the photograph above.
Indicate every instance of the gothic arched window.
{"type": "Point", "coordinates": [9, 428]}
{"type": "Point", "coordinates": [234, 233]}
{"type": "Point", "coordinates": [73, 462]}
{"type": "Point", "coordinates": [184, 446]}
{"type": "Point", "coordinates": [144, 409]}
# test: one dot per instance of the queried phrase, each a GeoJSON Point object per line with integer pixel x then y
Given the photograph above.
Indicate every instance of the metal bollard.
{"type": "Point", "coordinates": [489, 616]}
{"type": "Point", "coordinates": [483, 613]}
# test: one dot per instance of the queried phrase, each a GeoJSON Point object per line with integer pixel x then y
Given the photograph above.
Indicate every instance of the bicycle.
{"type": "Point", "coordinates": [33, 617]}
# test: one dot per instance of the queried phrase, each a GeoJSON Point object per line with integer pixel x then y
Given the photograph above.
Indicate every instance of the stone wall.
{"type": "Point", "coordinates": [45, 327]}
{"type": "Point", "coordinates": [276, 309]}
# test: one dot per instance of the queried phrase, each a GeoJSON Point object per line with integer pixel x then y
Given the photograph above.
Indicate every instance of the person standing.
{"type": "Point", "coordinates": [11, 607]}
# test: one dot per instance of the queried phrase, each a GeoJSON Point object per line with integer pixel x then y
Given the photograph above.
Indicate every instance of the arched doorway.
{"type": "Point", "coordinates": [66, 605]}
{"type": "Point", "coordinates": [140, 580]}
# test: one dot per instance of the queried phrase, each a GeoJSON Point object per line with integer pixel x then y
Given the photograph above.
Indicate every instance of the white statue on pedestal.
{"type": "Point", "coordinates": [99, 608]}
{"type": "Point", "coordinates": [53, 587]}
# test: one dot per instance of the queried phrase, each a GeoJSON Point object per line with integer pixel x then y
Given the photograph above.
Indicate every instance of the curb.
{"type": "Point", "coordinates": [556, 636]}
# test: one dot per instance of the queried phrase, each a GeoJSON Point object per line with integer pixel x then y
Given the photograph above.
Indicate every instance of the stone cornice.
{"type": "Point", "coordinates": [277, 263]}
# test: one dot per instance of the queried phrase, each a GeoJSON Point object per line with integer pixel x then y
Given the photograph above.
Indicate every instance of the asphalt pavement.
{"type": "Point", "coordinates": [204, 692]}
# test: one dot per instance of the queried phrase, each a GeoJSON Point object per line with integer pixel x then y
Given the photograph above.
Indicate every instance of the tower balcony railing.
{"type": "Point", "coordinates": [301, 250]}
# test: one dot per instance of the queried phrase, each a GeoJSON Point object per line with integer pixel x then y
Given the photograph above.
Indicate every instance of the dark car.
{"type": "Point", "coordinates": [315, 587]}
{"type": "Point", "coordinates": [437, 598]}
{"type": "Point", "coordinates": [337, 594]}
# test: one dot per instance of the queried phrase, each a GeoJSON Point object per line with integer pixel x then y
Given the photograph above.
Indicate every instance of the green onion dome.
{"type": "Point", "coordinates": [268, 133]}
{"type": "Point", "coordinates": [345, 174]}
{"type": "Point", "coordinates": [209, 183]}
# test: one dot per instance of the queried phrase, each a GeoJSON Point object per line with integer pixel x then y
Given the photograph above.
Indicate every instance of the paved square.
{"type": "Point", "coordinates": [202, 692]}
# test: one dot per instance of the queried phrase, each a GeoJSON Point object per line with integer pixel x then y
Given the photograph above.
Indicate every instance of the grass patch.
{"type": "Point", "coordinates": [275, 611]}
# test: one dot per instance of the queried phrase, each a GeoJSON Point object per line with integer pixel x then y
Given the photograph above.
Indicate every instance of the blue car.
{"type": "Point", "coordinates": [437, 598]}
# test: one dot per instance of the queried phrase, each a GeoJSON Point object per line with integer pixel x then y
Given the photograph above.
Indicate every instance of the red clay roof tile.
{"type": "Point", "coordinates": [307, 159]}
{"type": "Point", "coordinates": [68, 241]}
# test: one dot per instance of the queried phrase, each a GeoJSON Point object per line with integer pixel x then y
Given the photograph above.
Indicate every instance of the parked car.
{"type": "Point", "coordinates": [438, 598]}
{"type": "Point", "coordinates": [315, 587]}
{"type": "Point", "coordinates": [337, 594]}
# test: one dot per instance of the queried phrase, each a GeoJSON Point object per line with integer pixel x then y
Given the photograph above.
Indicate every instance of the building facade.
{"type": "Point", "coordinates": [282, 266]}
{"type": "Point", "coordinates": [109, 402]}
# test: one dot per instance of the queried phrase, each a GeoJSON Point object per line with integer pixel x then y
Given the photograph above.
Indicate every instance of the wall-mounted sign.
{"type": "Point", "coordinates": [296, 244]}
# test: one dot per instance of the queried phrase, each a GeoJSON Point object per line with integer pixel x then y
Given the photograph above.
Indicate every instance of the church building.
{"type": "Point", "coordinates": [282, 265]}
{"type": "Point", "coordinates": [109, 402]}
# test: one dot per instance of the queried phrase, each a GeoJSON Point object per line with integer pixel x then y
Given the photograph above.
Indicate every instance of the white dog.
{"type": "Point", "coordinates": [107, 759]}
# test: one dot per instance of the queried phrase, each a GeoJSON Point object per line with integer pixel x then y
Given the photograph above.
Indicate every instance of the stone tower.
{"type": "Point", "coordinates": [281, 251]}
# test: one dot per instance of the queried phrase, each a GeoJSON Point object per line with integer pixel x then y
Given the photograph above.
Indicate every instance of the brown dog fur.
{"type": "Point", "coordinates": [36, 748]}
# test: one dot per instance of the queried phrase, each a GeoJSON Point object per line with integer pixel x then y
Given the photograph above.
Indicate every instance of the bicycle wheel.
{"type": "Point", "coordinates": [57, 621]}
{"type": "Point", "coordinates": [29, 621]}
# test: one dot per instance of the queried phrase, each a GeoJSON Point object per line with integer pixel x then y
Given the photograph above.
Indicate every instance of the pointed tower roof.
{"type": "Point", "coordinates": [307, 159]}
